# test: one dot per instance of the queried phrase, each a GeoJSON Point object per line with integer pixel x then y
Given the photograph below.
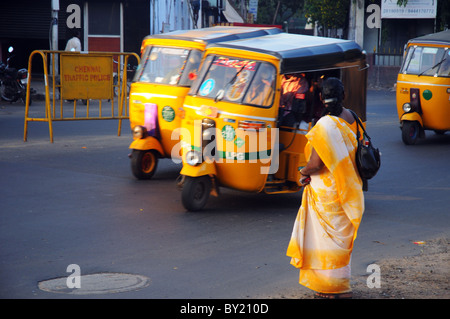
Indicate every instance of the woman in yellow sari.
{"type": "Point", "coordinates": [332, 203]}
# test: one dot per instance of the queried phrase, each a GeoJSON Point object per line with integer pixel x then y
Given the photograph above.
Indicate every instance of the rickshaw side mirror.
{"type": "Point", "coordinates": [364, 68]}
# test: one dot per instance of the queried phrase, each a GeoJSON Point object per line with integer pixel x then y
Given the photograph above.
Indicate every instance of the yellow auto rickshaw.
{"type": "Point", "coordinates": [247, 113]}
{"type": "Point", "coordinates": [168, 66]}
{"type": "Point", "coordinates": [423, 87]}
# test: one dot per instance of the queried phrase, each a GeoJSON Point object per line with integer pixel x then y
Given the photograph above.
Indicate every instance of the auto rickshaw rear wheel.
{"type": "Point", "coordinates": [410, 132]}
{"type": "Point", "coordinates": [144, 163]}
{"type": "Point", "coordinates": [195, 192]}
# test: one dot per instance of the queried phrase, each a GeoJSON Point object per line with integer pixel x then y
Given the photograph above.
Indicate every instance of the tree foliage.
{"type": "Point", "coordinates": [328, 14]}
{"type": "Point", "coordinates": [267, 10]}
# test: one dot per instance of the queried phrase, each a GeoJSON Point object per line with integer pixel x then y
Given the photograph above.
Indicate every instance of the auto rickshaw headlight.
{"type": "Point", "coordinates": [193, 158]}
{"type": "Point", "coordinates": [140, 131]}
{"type": "Point", "coordinates": [407, 107]}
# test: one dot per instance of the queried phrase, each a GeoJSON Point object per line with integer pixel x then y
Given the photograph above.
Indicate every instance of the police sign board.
{"type": "Point", "coordinates": [85, 76]}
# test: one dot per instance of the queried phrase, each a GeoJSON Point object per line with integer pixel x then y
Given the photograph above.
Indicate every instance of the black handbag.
{"type": "Point", "coordinates": [368, 159]}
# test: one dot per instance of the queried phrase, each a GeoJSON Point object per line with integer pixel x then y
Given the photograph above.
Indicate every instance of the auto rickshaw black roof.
{"type": "Point", "coordinates": [216, 33]}
{"type": "Point", "coordinates": [301, 52]}
{"type": "Point", "coordinates": [442, 37]}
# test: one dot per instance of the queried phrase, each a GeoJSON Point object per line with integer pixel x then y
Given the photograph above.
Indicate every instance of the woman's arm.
{"type": "Point", "coordinates": [314, 164]}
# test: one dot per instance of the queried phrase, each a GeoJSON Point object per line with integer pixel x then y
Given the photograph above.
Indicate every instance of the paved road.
{"type": "Point", "coordinates": [76, 202]}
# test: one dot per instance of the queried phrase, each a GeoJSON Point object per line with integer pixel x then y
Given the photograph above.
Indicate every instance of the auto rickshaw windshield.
{"type": "Point", "coordinates": [167, 65]}
{"type": "Point", "coordinates": [428, 61]}
{"type": "Point", "coordinates": [236, 80]}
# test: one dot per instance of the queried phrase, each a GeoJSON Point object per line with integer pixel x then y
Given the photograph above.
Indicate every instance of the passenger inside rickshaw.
{"type": "Point", "coordinates": [293, 106]}
{"type": "Point", "coordinates": [300, 103]}
{"type": "Point", "coordinates": [307, 108]}
{"type": "Point", "coordinates": [317, 106]}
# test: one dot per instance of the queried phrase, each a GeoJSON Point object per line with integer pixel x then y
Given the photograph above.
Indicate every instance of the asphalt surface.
{"type": "Point", "coordinates": [75, 201]}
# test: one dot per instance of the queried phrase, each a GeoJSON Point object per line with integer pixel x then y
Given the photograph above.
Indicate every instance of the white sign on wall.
{"type": "Point", "coordinates": [414, 9]}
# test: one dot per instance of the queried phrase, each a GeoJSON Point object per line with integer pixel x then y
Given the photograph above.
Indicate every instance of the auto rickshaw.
{"type": "Point", "coordinates": [244, 128]}
{"type": "Point", "coordinates": [423, 87]}
{"type": "Point", "coordinates": [168, 66]}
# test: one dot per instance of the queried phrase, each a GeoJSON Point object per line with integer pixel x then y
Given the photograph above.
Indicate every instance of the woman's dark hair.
{"type": "Point", "coordinates": [76, 33]}
{"type": "Point", "coordinates": [333, 95]}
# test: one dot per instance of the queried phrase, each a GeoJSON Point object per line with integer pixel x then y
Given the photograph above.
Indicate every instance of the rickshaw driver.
{"type": "Point", "coordinates": [261, 91]}
{"type": "Point", "coordinates": [444, 70]}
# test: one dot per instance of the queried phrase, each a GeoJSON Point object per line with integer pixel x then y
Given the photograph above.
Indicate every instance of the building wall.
{"type": "Point", "coordinates": [26, 25]}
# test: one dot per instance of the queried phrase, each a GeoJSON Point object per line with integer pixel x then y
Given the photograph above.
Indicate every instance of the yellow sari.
{"type": "Point", "coordinates": [332, 206]}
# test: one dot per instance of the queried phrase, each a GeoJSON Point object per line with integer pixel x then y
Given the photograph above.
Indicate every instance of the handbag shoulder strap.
{"type": "Point", "coordinates": [359, 124]}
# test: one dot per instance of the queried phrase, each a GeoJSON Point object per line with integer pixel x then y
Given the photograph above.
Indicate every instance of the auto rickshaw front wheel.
{"type": "Point", "coordinates": [410, 132]}
{"type": "Point", "coordinates": [195, 192]}
{"type": "Point", "coordinates": [144, 163]}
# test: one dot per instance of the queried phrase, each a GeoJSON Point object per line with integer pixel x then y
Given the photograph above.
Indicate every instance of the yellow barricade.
{"type": "Point", "coordinates": [89, 78]}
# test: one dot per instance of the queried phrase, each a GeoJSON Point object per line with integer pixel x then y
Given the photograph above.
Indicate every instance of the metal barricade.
{"type": "Point", "coordinates": [86, 80]}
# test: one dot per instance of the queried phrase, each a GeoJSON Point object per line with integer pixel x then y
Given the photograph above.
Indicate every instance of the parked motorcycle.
{"type": "Point", "coordinates": [13, 82]}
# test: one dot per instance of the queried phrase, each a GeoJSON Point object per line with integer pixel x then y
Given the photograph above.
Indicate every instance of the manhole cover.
{"type": "Point", "coordinates": [102, 283]}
